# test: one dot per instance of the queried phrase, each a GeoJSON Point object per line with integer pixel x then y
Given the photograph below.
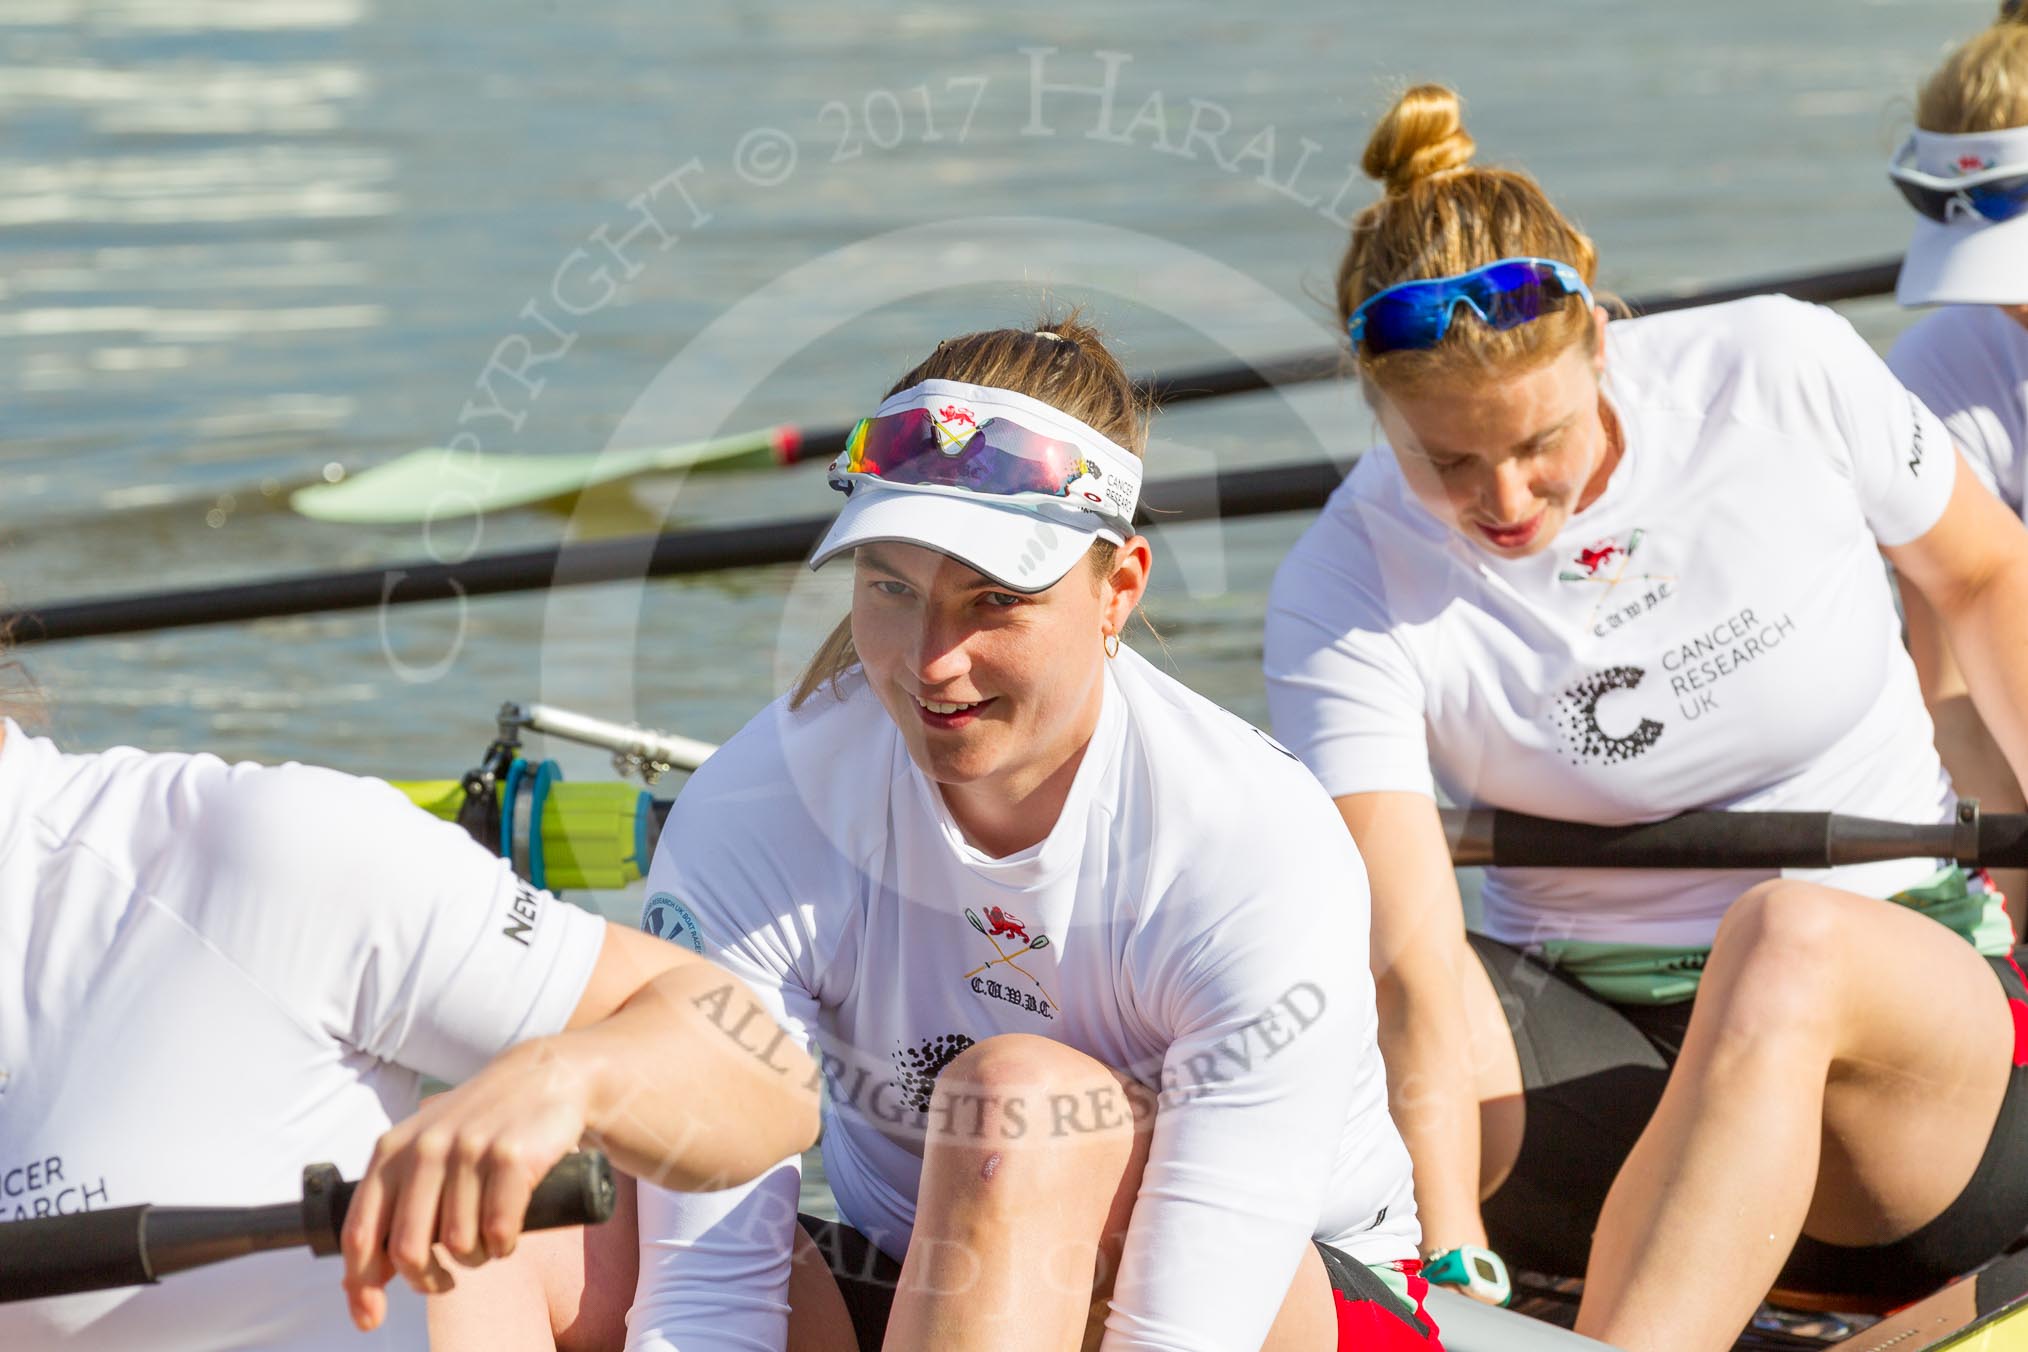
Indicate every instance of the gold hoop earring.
{"type": "Point", "coordinates": [1112, 644]}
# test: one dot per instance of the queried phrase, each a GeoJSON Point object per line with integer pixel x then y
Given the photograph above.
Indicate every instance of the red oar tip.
{"type": "Point", "coordinates": [788, 444]}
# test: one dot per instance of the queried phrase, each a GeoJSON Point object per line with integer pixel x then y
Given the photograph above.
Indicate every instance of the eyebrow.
{"type": "Point", "coordinates": [1525, 444]}
{"type": "Point", "coordinates": [873, 557]}
{"type": "Point", "coordinates": [876, 558]}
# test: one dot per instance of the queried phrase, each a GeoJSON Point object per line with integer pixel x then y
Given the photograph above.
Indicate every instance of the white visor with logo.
{"type": "Point", "coordinates": [1967, 260]}
{"type": "Point", "coordinates": [1006, 484]}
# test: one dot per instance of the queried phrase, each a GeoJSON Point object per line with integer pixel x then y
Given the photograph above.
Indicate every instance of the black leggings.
{"type": "Point", "coordinates": [1593, 1072]}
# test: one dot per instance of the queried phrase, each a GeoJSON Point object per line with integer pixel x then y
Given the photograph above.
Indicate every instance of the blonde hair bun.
{"type": "Point", "coordinates": [1421, 136]}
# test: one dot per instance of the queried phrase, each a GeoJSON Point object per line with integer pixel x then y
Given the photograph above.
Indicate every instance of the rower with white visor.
{"type": "Point", "coordinates": [1082, 955]}
{"type": "Point", "coordinates": [1964, 171]}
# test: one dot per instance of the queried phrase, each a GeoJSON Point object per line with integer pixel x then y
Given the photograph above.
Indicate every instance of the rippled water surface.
{"type": "Point", "coordinates": [246, 244]}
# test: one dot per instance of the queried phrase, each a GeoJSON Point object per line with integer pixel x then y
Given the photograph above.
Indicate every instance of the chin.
{"type": "Point", "coordinates": [954, 765]}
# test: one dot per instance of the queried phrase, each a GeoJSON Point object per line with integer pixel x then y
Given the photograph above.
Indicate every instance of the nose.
{"type": "Point", "coordinates": [940, 654]}
{"type": "Point", "coordinates": [1513, 495]}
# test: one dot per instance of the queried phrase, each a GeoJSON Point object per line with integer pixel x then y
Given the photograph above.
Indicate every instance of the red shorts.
{"type": "Point", "coordinates": [1371, 1318]}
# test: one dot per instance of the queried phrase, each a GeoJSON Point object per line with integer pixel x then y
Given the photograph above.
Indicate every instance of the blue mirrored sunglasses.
{"type": "Point", "coordinates": [1995, 194]}
{"type": "Point", "coordinates": [1503, 294]}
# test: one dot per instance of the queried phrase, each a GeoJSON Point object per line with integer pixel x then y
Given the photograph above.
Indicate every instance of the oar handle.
{"type": "Point", "coordinates": [140, 1245]}
{"type": "Point", "coordinates": [578, 1191]}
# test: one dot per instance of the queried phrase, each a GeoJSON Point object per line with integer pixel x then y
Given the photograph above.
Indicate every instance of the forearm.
{"type": "Point", "coordinates": [1988, 633]}
{"type": "Point", "coordinates": [1425, 1039]}
{"type": "Point", "coordinates": [690, 1082]}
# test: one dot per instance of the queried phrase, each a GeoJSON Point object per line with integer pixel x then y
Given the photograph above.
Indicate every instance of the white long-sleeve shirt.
{"type": "Point", "coordinates": [1714, 631]}
{"type": "Point", "coordinates": [212, 975]}
{"type": "Point", "coordinates": [1206, 920]}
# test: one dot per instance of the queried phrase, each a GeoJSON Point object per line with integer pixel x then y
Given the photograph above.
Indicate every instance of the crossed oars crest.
{"type": "Point", "coordinates": [1619, 575]}
{"type": "Point", "coordinates": [1039, 942]}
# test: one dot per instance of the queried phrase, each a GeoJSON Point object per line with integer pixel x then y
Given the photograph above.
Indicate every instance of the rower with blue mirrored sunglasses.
{"type": "Point", "coordinates": [1504, 294]}
{"type": "Point", "coordinates": [1996, 194]}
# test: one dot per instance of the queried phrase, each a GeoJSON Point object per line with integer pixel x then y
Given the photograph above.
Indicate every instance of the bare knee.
{"type": "Point", "coordinates": [1018, 1087]}
{"type": "Point", "coordinates": [1023, 1106]}
{"type": "Point", "coordinates": [1774, 972]}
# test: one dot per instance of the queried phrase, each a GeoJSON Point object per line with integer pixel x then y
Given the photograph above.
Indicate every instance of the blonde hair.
{"type": "Point", "coordinates": [21, 699]}
{"type": "Point", "coordinates": [1064, 362]}
{"type": "Point", "coordinates": [1440, 215]}
{"type": "Point", "coordinates": [1983, 85]}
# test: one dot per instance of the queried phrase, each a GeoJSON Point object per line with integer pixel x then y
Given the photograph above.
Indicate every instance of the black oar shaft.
{"type": "Point", "coordinates": [1234, 493]}
{"type": "Point", "coordinates": [134, 1245]}
{"type": "Point", "coordinates": [1708, 840]}
{"type": "Point", "coordinates": [1732, 840]}
{"type": "Point", "coordinates": [140, 1245]}
{"type": "Point", "coordinates": [1168, 389]}
{"type": "Point", "coordinates": [1277, 488]}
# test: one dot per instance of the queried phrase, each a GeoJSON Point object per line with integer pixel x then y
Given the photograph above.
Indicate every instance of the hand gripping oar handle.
{"type": "Point", "coordinates": [578, 1191]}
{"type": "Point", "coordinates": [140, 1245]}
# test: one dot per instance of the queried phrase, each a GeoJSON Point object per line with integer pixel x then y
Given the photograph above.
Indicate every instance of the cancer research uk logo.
{"type": "Point", "coordinates": [1577, 719]}
{"type": "Point", "coordinates": [667, 918]}
{"type": "Point", "coordinates": [1695, 668]}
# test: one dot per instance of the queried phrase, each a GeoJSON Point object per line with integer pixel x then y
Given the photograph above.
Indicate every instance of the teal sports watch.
{"type": "Point", "coordinates": [1476, 1270]}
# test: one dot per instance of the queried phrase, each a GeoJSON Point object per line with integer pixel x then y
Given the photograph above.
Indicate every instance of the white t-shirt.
{"type": "Point", "coordinates": [215, 974]}
{"type": "Point", "coordinates": [1206, 920]}
{"type": "Point", "coordinates": [1715, 631]}
{"type": "Point", "coordinates": [1969, 363]}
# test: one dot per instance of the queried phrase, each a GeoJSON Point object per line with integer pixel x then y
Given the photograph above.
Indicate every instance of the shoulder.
{"type": "Point", "coordinates": [1218, 778]}
{"type": "Point", "coordinates": [1769, 364]}
{"type": "Point", "coordinates": [1371, 538]}
{"type": "Point", "coordinates": [1940, 334]}
{"type": "Point", "coordinates": [1963, 356]}
{"type": "Point", "coordinates": [229, 820]}
{"type": "Point", "coordinates": [794, 790]}
{"type": "Point", "coordinates": [286, 870]}
{"type": "Point", "coordinates": [1716, 346]}
{"type": "Point", "coordinates": [1245, 851]}
{"type": "Point", "coordinates": [816, 756]}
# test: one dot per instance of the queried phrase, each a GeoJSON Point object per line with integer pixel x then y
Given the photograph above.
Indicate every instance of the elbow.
{"type": "Point", "coordinates": [1423, 975]}
{"type": "Point", "coordinates": [801, 1120]}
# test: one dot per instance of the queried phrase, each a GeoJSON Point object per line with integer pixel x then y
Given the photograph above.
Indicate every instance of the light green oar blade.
{"type": "Point", "coordinates": [438, 484]}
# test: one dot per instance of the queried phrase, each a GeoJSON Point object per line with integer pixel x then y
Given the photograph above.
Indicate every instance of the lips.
{"type": "Point", "coordinates": [949, 713]}
{"type": "Point", "coordinates": [1517, 536]}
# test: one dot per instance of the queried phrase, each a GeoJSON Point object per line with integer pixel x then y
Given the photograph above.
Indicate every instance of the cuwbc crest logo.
{"type": "Point", "coordinates": [1605, 565]}
{"type": "Point", "coordinates": [993, 979]}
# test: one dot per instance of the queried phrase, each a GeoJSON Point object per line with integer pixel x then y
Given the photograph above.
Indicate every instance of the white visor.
{"type": "Point", "coordinates": [1967, 261]}
{"type": "Point", "coordinates": [1027, 543]}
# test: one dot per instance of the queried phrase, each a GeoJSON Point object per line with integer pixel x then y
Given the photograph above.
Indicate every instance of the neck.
{"type": "Point", "coordinates": [1005, 815]}
{"type": "Point", "coordinates": [1615, 451]}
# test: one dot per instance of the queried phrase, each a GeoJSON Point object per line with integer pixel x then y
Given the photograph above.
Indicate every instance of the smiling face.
{"type": "Point", "coordinates": [995, 692]}
{"type": "Point", "coordinates": [1507, 461]}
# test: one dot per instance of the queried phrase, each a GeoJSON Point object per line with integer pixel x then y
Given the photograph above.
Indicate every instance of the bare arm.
{"type": "Point", "coordinates": [1971, 570]}
{"type": "Point", "coordinates": [1977, 768]}
{"type": "Point", "coordinates": [668, 1063]}
{"type": "Point", "coordinates": [1420, 962]}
